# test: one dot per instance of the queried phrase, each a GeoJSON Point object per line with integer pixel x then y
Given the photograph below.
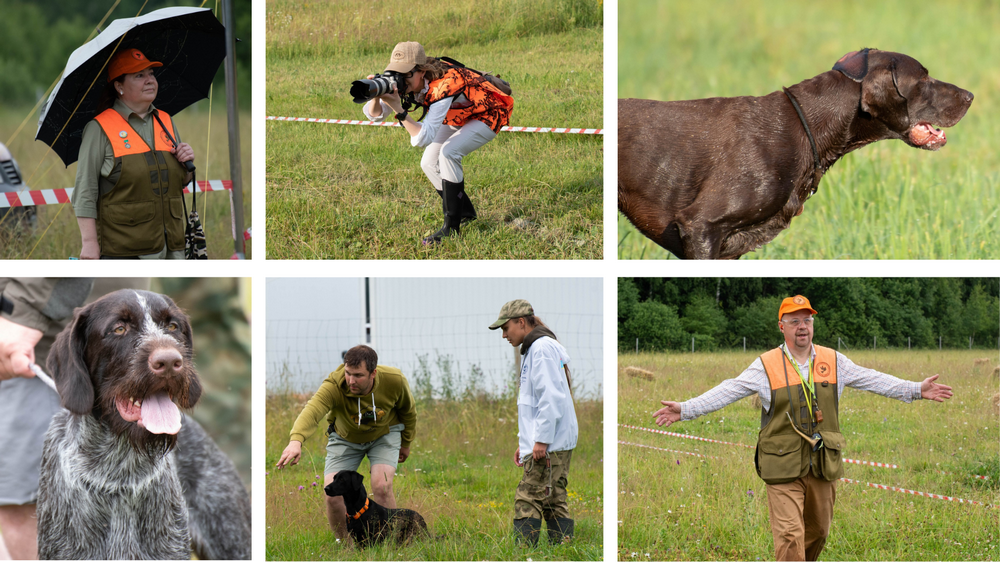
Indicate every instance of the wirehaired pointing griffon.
{"type": "Point", "coordinates": [126, 475]}
{"type": "Point", "coordinates": [721, 177]}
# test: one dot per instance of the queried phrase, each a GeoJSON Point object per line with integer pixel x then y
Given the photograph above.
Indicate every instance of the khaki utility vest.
{"type": "Point", "coordinates": [143, 209]}
{"type": "Point", "coordinates": [782, 454]}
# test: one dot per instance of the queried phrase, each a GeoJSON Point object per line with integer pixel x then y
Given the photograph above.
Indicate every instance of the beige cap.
{"type": "Point", "coordinates": [514, 309]}
{"type": "Point", "coordinates": [405, 56]}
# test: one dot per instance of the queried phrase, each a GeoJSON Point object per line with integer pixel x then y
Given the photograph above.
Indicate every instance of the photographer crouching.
{"type": "Point", "coordinates": [464, 109]}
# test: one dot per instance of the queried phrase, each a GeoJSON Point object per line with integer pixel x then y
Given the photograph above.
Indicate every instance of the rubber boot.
{"type": "Point", "coordinates": [451, 220]}
{"type": "Point", "coordinates": [560, 530]}
{"type": "Point", "coordinates": [466, 210]}
{"type": "Point", "coordinates": [527, 530]}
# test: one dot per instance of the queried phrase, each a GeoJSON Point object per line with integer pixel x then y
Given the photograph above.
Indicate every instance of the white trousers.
{"type": "Point", "coordinates": [442, 158]}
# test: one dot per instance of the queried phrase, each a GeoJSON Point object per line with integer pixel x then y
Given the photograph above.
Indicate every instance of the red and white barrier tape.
{"type": "Point", "coordinates": [916, 493]}
{"type": "Point", "coordinates": [28, 198]}
{"type": "Point", "coordinates": [668, 450]}
{"type": "Point", "coordinates": [852, 461]}
{"type": "Point", "coordinates": [248, 233]}
{"type": "Point", "coordinates": [672, 434]}
{"type": "Point", "coordinates": [570, 130]}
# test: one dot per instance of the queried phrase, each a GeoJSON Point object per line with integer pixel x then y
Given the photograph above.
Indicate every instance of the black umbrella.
{"type": "Point", "coordinates": [190, 42]}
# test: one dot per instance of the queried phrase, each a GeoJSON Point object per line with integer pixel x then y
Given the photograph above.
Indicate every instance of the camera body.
{"type": "Point", "coordinates": [364, 90]}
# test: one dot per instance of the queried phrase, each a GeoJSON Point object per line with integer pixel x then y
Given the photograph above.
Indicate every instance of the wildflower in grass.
{"type": "Point", "coordinates": [302, 488]}
{"type": "Point", "coordinates": [678, 461]}
{"type": "Point", "coordinates": [750, 493]}
{"type": "Point", "coordinates": [314, 484]}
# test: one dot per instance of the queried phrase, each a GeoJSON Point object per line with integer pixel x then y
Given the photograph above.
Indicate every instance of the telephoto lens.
{"type": "Point", "coordinates": [364, 90]}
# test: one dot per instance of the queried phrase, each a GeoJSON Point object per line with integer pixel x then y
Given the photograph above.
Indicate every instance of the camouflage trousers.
{"type": "Point", "coordinates": [530, 499]}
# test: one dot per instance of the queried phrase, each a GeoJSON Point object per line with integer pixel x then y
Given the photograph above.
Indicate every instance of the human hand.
{"type": "Point", "coordinates": [183, 152]}
{"type": "Point", "coordinates": [17, 349]}
{"type": "Point", "coordinates": [291, 454]}
{"type": "Point", "coordinates": [670, 413]}
{"type": "Point", "coordinates": [404, 452]}
{"type": "Point", "coordinates": [538, 452]}
{"type": "Point", "coordinates": [91, 250]}
{"type": "Point", "coordinates": [930, 390]}
{"type": "Point", "coordinates": [517, 456]}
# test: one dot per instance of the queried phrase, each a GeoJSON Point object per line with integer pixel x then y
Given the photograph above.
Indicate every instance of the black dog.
{"type": "Point", "coordinates": [720, 177]}
{"type": "Point", "coordinates": [369, 522]}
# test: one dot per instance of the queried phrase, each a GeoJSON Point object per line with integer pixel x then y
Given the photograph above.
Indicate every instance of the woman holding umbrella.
{"type": "Point", "coordinates": [131, 174]}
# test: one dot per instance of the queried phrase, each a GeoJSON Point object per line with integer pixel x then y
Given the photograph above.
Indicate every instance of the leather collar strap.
{"type": "Point", "coordinates": [363, 509]}
{"type": "Point", "coordinates": [812, 142]}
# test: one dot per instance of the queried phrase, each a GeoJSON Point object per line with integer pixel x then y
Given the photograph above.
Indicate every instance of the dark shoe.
{"type": "Point", "coordinates": [527, 530]}
{"type": "Point", "coordinates": [560, 530]}
{"type": "Point", "coordinates": [443, 232]}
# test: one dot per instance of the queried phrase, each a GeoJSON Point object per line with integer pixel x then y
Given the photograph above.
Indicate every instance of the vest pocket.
{"type": "Point", "coordinates": [127, 229]}
{"type": "Point", "coordinates": [779, 458]}
{"type": "Point", "coordinates": [175, 224]}
{"type": "Point", "coordinates": [830, 455]}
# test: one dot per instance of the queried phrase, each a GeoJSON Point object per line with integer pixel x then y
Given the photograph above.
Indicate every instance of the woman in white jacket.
{"type": "Point", "coordinates": [547, 426]}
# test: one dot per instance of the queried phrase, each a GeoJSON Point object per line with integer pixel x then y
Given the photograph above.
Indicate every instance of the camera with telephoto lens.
{"type": "Point", "coordinates": [364, 90]}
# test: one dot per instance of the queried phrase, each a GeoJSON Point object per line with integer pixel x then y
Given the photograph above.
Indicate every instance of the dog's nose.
{"type": "Point", "coordinates": [969, 97]}
{"type": "Point", "coordinates": [165, 359]}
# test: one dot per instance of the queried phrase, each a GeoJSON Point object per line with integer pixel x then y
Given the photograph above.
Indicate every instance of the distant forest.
{"type": "Point", "coordinates": [855, 313]}
{"type": "Point", "coordinates": [39, 35]}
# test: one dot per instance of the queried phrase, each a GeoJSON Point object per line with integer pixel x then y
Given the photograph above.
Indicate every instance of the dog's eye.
{"type": "Point", "coordinates": [172, 327]}
{"type": "Point", "coordinates": [119, 329]}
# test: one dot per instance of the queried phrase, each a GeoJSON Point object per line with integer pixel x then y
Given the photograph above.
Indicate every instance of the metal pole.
{"type": "Point", "coordinates": [744, 344]}
{"type": "Point", "coordinates": [235, 167]}
{"type": "Point", "coordinates": [939, 343]}
{"type": "Point", "coordinates": [692, 344]}
{"type": "Point", "coordinates": [907, 343]}
{"type": "Point", "coordinates": [838, 343]}
{"type": "Point", "coordinates": [637, 346]}
{"type": "Point", "coordinates": [368, 313]}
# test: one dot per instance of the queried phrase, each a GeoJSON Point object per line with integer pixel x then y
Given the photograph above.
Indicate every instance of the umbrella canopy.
{"type": "Point", "coordinates": [190, 42]}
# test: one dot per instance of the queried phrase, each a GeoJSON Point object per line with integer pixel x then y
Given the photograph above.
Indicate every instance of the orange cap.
{"type": "Point", "coordinates": [791, 304]}
{"type": "Point", "coordinates": [129, 61]}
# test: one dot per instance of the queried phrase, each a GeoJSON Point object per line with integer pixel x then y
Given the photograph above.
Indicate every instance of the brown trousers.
{"type": "Point", "coordinates": [801, 513]}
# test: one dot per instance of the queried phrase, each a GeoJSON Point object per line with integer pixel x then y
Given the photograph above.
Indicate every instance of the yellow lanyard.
{"type": "Point", "coordinates": [808, 384]}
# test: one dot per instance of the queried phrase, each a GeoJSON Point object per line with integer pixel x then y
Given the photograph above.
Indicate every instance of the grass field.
{"type": "Point", "coordinates": [57, 235]}
{"type": "Point", "coordinates": [357, 192]}
{"type": "Point", "coordinates": [680, 507]}
{"type": "Point", "coordinates": [884, 201]}
{"type": "Point", "coordinates": [460, 476]}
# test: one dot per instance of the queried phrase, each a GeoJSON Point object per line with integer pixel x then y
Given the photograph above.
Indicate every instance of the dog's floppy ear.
{"type": "Point", "coordinates": [880, 97]}
{"type": "Point", "coordinates": [68, 368]}
{"type": "Point", "coordinates": [854, 65]}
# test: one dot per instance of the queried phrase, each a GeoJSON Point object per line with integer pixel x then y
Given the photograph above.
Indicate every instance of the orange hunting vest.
{"type": "Point", "coordinates": [143, 209]}
{"type": "Point", "coordinates": [486, 102]}
{"type": "Point", "coordinates": [782, 454]}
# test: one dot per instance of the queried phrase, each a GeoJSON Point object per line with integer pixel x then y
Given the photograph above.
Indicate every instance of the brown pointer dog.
{"type": "Point", "coordinates": [717, 178]}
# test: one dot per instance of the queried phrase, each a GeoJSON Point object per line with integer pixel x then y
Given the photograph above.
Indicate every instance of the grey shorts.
{"type": "Point", "coordinates": [26, 408]}
{"type": "Point", "coordinates": [341, 454]}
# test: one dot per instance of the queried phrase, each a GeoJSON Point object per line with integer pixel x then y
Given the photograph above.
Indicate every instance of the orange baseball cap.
{"type": "Point", "coordinates": [791, 304]}
{"type": "Point", "coordinates": [129, 61]}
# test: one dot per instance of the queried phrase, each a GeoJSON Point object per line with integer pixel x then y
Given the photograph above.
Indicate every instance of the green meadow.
{"type": "Point", "coordinates": [57, 235]}
{"type": "Point", "coordinates": [674, 506]}
{"type": "Point", "coordinates": [883, 201]}
{"type": "Point", "coordinates": [460, 476]}
{"type": "Point", "coordinates": [357, 192]}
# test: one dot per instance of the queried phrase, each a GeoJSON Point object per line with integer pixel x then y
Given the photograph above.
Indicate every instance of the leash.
{"type": "Point", "coordinates": [43, 377]}
{"type": "Point", "coordinates": [817, 174]}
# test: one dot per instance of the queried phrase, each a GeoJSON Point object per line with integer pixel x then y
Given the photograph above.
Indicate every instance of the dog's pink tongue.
{"type": "Point", "coordinates": [924, 134]}
{"type": "Point", "coordinates": [160, 415]}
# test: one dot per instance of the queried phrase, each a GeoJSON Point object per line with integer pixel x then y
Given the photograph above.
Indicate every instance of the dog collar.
{"type": "Point", "coordinates": [817, 171]}
{"type": "Point", "coordinates": [363, 509]}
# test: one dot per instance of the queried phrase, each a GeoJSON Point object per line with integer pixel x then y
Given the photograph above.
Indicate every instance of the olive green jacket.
{"type": "Point", "coordinates": [394, 404]}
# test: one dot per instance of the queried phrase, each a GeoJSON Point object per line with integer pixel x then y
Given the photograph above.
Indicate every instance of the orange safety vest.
{"type": "Point", "coordinates": [486, 102]}
{"type": "Point", "coordinates": [782, 454]}
{"type": "Point", "coordinates": [143, 210]}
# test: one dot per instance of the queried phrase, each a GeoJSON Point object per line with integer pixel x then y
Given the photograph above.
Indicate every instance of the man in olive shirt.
{"type": "Point", "coordinates": [372, 413]}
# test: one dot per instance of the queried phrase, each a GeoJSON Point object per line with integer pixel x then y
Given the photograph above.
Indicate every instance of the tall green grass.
{"type": "Point", "coordinates": [460, 476]}
{"type": "Point", "coordinates": [884, 201]}
{"type": "Point", "coordinates": [680, 507]}
{"type": "Point", "coordinates": [57, 235]}
{"type": "Point", "coordinates": [354, 192]}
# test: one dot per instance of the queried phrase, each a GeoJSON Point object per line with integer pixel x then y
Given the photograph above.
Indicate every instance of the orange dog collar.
{"type": "Point", "coordinates": [363, 509]}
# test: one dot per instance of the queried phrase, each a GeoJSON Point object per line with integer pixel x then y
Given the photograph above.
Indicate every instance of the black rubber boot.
{"type": "Point", "coordinates": [466, 210]}
{"type": "Point", "coordinates": [527, 530]}
{"type": "Point", "coordinates": [451, 220]}
{"type": "Point", "coordinates": [560, 530]}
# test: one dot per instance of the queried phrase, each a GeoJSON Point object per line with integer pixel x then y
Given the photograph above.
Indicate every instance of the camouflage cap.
{"type": "Point", "coordinates": [513, 309]}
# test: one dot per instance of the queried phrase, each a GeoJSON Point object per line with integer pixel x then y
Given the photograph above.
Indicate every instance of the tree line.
{"type": "Point", "coordinates": [718, 313]}
{"type": "Point", "coordinates": [39, 35]}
